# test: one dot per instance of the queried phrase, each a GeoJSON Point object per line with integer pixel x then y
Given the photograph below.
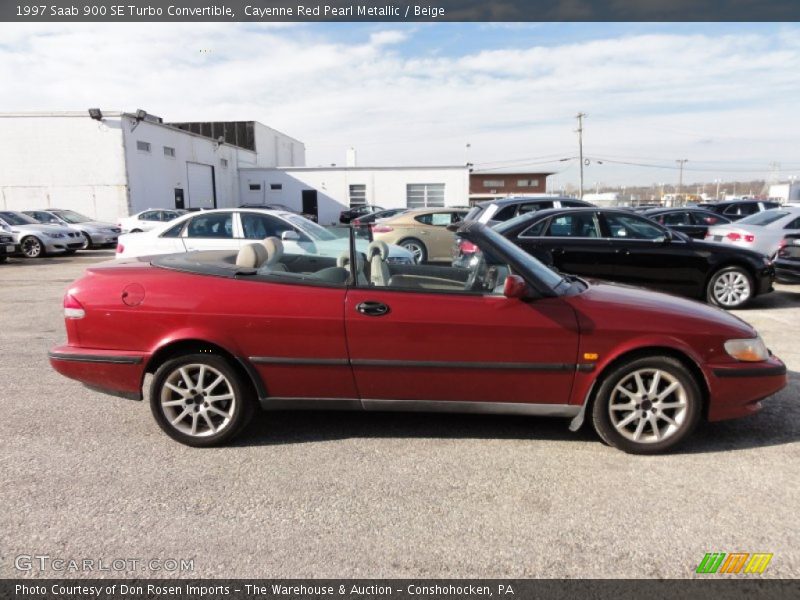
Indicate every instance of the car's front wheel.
{"type": "Point", "coordinates": [647, 406]}
{"type": "Point", "coordinates": [200, 400]}
{"type": "Point", "coordinates": [87, 241]}
{"type": "Point", "coordinates": [731, 287]}
{"type": "Point", "coordinates": [32, 247]}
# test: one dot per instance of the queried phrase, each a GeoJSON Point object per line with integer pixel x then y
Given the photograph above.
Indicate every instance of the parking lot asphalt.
{"type": "Point", "coordinates": [83, 475]}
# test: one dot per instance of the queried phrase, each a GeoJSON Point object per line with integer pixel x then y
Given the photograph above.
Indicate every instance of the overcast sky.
{"type": "Point", "coordinates": [723, 96]}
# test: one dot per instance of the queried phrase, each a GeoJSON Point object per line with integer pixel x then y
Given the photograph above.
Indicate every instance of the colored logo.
{"type": "Point", "coordinates": [736, 562]}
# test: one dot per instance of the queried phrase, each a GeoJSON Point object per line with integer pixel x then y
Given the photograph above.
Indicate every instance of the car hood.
{"type": "Point", "coordinates": [41, 228]}
{"type": "Point", "coordinates": [95, 225]}
{"type": "Point", "coordinates": [649, 311]}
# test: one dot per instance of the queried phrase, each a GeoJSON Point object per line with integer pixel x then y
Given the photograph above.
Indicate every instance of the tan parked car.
{"type": "Point", "coordinates": [423, 232]}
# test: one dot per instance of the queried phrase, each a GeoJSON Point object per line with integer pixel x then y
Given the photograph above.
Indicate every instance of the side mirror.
{"type": "Point", "coordinates": [290, 236]}
{"type": "Point", "coordinates": [515, 287]}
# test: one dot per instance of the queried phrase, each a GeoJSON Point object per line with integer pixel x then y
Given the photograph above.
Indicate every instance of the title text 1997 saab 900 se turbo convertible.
{"type": "Point", "coordinates": [223, 332]}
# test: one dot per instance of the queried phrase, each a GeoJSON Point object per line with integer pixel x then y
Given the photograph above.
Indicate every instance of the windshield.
{"type": "Point", "coordinates": [549, 277]}
{"type": "Point", "coordinates": [310, 228]}
{"type": "Point", "coordinates": [71, 216]}
{"type": "Point", "coordinates": [15, 218]}
{"type": "Point", "coordinates": [764, 218]}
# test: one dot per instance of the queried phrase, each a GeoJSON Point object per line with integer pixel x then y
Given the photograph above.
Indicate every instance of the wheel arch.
{"type": "Point", "coordinates": [196, 345]}
{"type": "Point", "coordinates": [642, 352]}
{"type": "Point", "coordinates": [732, 262]}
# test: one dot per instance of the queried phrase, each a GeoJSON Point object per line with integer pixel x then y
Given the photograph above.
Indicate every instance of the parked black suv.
{"type": "Point", "coordinates": [738, 209]}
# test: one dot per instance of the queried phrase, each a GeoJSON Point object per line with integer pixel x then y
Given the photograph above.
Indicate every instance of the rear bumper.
{"type": "Point", "coordinates": [737, 389]}
{"type": "Point", "coordinates": [111, 371]}
{"type": "Point", "coordinates": [787, 271]}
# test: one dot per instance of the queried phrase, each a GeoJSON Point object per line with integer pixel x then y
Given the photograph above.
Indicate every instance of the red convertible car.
{"type": "Point", "coordinates": [224, 333]}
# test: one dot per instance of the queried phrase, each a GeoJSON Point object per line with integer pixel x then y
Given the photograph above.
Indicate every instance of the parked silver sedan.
{"type": "Point", "coordinates": [37, 239]}
{"type": "Point", "coordinates": [94, 233]}
{"type": "Point", "coordinates": [761, 232]}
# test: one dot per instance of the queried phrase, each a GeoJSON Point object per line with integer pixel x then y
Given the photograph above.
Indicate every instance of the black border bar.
{"type": "Point", "coordinates": [400, 10]}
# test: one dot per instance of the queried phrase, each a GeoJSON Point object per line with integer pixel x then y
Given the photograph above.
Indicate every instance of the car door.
{"type": "Point", "coordinates": [648, 256]}
{"type": "Point", "coordinates": [211, 231]}
{"type": "Point", "coordinates": [414, 343]}
{"type": "Point", "coordinates": [572, 242]}
{"type": "Point", "coordinates": [433, 232]}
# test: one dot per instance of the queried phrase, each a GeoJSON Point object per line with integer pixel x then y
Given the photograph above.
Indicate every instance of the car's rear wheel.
{"type": "Point", "coordinates": [731, 287]}
{"type": "Point", "coordinates": [31, 247]}
{"type": "Point", "coordinates": [200, 400]}
{"type": "Point", "coordinates": [417, 248]}
{"type": "Point", "coordinates": [647, 406]}
{"type": "Point", "coordinates": [87, 241]}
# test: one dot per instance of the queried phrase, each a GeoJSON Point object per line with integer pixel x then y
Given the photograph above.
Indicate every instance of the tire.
{"type": "Point", "coordinates": [136, 231]}
{"type": "Point", "coordinates": [3, 259]}
{"type": "Point", "coordinates": [87, 241]}
{"type": "Point", "coordinates": [627, 416]}
{"type": "Point", "coordinates": [179, 413]}
{"type": "Point", "coordinates": [31, 247]}
{"type": "Point", "coordinates": [416, 247]}
{"type": "Point", "coordinates": [730, 288]}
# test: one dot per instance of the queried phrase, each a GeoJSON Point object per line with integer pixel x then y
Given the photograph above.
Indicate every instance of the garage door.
{"type": "Point", "coordinates": [201, 186]}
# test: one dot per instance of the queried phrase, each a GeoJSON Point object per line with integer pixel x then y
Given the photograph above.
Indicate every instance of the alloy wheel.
{"type": "Point", "coordinates": [648, 406]}
{"type": "Point", "coordinates": [31, 247]}
{"type": "Point", "coordinates": [87, 242]}
{"type": "Point", "coordinates": [731, 288]}
{"type": "Point", "coordinates": [198, 400]}
{"type": "Point", "coordinates": [416, 250]}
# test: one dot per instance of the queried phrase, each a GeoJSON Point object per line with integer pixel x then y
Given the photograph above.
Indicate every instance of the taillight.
{"type": "Point", "coordinates": [72, 308]}
{"type": "Point", "coordinates": [467, 247]}
{"type": "Point", "coordinates": [749, 238]}
{"type": "Point", "coordinates": [734, 237]}
{"type": "Point", "coordinates": [382, 229]}
{"type": "Point", "coordinates": [356, 223]}
{"type": "Point", "coordinates": [120, 248]}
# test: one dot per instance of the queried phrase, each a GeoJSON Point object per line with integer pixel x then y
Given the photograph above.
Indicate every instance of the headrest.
{"type": "Point", "coordinates": [252, 256]}
{"type": "Point", "coordinates": [378, 248]}
{"type": "Point", "coordinates": [274, 248]}
{"type": "Point", "coordinates": [344, 260]}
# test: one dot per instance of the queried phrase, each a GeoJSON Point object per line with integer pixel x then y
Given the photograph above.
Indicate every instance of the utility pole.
{"type": "Point", "coordinates": [580, 117]}
{"type": "Point", "coordinates": [681, 162]}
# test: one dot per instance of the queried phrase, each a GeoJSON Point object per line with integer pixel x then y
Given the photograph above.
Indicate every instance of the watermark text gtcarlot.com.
{"type": "Point", "coordinates": [45, 563]}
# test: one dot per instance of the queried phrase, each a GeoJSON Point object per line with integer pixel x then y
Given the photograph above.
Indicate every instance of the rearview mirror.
{"type": "Point", "coordinates": [290, 236]}
{"type": "Point", "coordinates": [515, 287]}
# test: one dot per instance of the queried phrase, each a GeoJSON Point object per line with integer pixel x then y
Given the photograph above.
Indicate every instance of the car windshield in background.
{"type": "Point", "coordinates": [70, 216]}
{"type": "Point", "coordinates": [764, 218]}
{"type": "Point", "coordinates": [544, 273]}
{"type": "Point", "coordinates": [313, 230]}
{"type": "Point", "coordinates": [15, 218]}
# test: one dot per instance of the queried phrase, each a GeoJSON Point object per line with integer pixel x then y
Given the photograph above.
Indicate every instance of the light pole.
{"type": "Point", "coordinates": [681, 162]}
{"type": "Point", "coordinates": [580, 150]}
{"type": "Point", "coordinates": [717, 181]}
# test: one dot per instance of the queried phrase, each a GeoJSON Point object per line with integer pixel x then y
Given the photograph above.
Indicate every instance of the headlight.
{"type": "Point", "coordinates": [55, 235]}
{"type": "Point", "coordinates": [747, 350]}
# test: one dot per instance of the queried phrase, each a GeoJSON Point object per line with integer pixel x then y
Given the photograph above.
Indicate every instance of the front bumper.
{"type": "Point", "coordinates": [114, 372]}
{"type": "Point", "coordinates": [737, 389]}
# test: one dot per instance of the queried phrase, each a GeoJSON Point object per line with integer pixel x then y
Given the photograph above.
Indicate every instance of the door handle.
{"type": "Point", "coordinates": [372, 308]}
{"type": "Point", "coordinates": [624, 251]}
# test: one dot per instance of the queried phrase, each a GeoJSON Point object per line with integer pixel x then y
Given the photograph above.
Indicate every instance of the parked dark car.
{"type": "Point", "coordinates": [621, 246]}
{"type": "Point", "coordinates": [357, 211]}
{"type": "Point", "coordinates": [738, 209]}
{"type": "Point", "coordinates": [493, 212]}
{"type": "Point", "coordinates": [787, 261]}
{"type": "Point", "coordinates": [7, 246]}
{"type": "Point", "coordinates": [693, 222]}
{"type": "Point", "coordinates": [282, 207]}
{"type": "Point", "coordinates": [370, 218]}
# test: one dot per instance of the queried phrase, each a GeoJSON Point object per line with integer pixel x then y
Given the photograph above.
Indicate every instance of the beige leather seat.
{"type": "Point", "coordinates": [378, 253]}
{"type": "Point", "coordinates": [343, 261]}
{"type": "Point", "coordinates": [274, 248]}
{"type": "Point", "coordinates": [251, 256]}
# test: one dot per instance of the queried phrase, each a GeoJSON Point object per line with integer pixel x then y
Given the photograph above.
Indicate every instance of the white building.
{"type": "Point", "coordinates": [113, 164]}
{"type": "Point", "coordinates": [329, 190]}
